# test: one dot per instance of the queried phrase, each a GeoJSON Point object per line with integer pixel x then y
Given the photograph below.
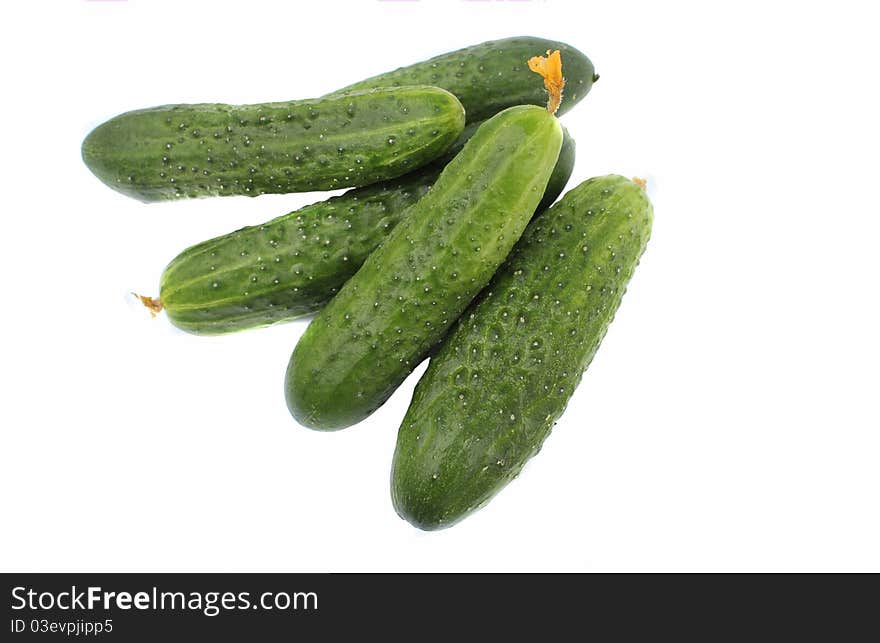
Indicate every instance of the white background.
{"type": "Point", "coordinates": [729, 422]}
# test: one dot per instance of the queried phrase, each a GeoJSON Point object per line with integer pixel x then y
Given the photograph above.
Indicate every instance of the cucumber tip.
{"type": "Point", "coordinates": [154, 305]}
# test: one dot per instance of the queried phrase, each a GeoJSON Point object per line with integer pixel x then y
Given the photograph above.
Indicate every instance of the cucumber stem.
{"type": "Point", "coordinates": [642, 183]}
{"type": "Point", "coordinates": [155, 306]}
{"type": "Point", "coordinates": [550, 69]}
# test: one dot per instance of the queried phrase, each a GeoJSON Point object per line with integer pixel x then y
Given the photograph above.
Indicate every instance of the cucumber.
{"type": "Point", "coordinates": [371, 335]}
{"type": "Point", "coordinates": [492, 76]}
{"type": "Point", "coordinates": [505, 372]}
{"type": "Point", "coordinates": [561, 172]}
{"type": "Point", "coordinates": [203, 150]}
{"type": "Point", "coordinates": [293, 265]}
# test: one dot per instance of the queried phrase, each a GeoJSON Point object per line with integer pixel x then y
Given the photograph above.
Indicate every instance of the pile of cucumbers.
{"type": "Point", "coordinates": [450, 244]}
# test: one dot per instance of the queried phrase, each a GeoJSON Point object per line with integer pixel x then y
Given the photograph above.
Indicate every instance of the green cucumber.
{"type": "Point", "coordinates": [493, 75]}
{"type": "Point", "coordinates": [561, 172]}
{"type": "Point", "coordinates": [202, 150]}
{"type": "Point", "coordinates": [292, 265]}
{"type": "Point", "coordinates": [505, 372]}
{"type": "Point", "coordinates": [411, 289]}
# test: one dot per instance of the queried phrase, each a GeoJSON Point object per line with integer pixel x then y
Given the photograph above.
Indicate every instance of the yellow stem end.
{"type": "Point", "coordinates": [153, 305]}
{"type": "Point", "coordinates": [550, 69]}
{"type": "Point", "coordinates": [642, 183]}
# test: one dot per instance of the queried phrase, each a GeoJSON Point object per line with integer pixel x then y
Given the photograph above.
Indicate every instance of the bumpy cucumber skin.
{"type": "Point", "coordinates": [409, 291]}
{"type": "Point", "coordinates": [178, 151]}
{"type": "Point", "coordinates": [505, 372]}
{"type": "Point", "coordinates": [493, 75]}
{"type": "Point", "coordinates": [291, 266]}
